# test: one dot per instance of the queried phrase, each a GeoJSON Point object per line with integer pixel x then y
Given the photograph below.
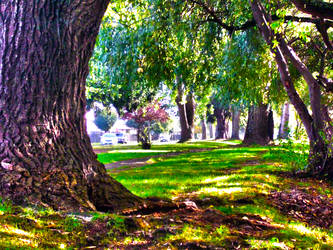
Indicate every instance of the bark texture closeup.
{"type": "Point", "coordinates": [45, 152]}
{"type": "Point", "coordinates": [257, 128]}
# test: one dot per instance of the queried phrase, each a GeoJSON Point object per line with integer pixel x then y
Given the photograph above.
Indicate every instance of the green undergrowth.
{"type": "Point", "coordinates": [230, 185]}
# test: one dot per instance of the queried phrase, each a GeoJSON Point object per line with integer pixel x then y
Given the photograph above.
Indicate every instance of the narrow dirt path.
{"type": "Point", "coordinates": [139, 162]}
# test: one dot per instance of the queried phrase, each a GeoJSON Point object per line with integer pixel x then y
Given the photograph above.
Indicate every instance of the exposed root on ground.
{"type": "Point", "coordinates": [159, 219]}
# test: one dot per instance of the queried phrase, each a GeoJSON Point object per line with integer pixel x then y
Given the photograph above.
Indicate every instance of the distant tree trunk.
{"type": "Point", "coordinates": [257, 128]}
{"type": "Point", "coordinates": [222, 115]}
{"type": "Point", "coordinates": [203, 129]}
{"type": "Point", "coordinates": [45, 153]}
{"type": "Point", "coordinates": [144, 137]}
{"type": "Point", "coordinates": [270, 125]}
{"type": "Point", "coordinates": [186, 115]}
{"type": "Point", "coordinates": [235, 123]}
{"type": "Point", "coordinates": [284, 123]}
{"type": "Point", "coordinates": [211, 130]}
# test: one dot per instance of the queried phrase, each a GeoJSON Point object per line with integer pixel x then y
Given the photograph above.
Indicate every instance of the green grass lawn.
{"type": "Point", "coordinates": [115, 153]}
{"type": "Point", "coordinates": [232, 183]}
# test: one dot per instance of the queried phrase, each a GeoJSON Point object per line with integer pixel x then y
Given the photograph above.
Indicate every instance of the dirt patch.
{"type": "Point", "coordinates": [305, 204]}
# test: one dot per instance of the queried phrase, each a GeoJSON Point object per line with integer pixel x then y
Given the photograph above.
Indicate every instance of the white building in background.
{"type": "Point", "coordinates": [121, 127]}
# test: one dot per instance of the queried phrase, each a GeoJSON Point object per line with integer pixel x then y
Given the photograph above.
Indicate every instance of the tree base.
{"type": "Point", "coordinates": [183, 140]}
{"type": "Point", "coordinates": [320, 170]}
{"type": "Point", "coordinates": [70, 191]}
{"type": "Point", "coordinates": [146, 145]}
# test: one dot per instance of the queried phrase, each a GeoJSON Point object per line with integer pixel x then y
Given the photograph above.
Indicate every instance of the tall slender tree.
{"type": "Point", "coordinates": [321, 158]}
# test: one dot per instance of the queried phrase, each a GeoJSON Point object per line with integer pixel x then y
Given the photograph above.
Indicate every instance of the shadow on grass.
{"type": "Point", "coordinates": [234, 180]}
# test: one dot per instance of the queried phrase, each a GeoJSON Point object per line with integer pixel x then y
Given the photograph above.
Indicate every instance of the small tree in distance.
{"type": "Point", "coordinates": [104, 118]}
{"type": "Point", "coordinates": [143, 119]}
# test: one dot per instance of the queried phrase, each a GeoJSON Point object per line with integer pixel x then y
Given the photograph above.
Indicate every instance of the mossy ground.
{"type": "Point", "coordinates": [230, 197]}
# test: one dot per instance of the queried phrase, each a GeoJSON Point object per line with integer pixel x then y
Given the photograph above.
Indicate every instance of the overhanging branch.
{"type": "Point", "coordinates": [213, 16]}
{"type": "Point", "coordinates": [315, 8]}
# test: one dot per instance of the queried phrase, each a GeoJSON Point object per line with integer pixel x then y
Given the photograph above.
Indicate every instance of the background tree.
{"type": "Point", "coordinates": [235, 118]}
{"type": "Point", "coordinates": [320, 159]}
{"type": "Point", "coordinates": [105, 118]}
{"type": "Point", "coordinates": [143, 119]}
{"type": "Point", "coordinates": [284, 128]}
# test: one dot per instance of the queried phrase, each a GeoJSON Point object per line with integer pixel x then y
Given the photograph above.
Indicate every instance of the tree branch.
{"type": "Point", "coordinates": [315, 8]}
{"type": "Point", "coordinates": [214, 17]}
{"type": "Point", "coordinates": [322, 28]}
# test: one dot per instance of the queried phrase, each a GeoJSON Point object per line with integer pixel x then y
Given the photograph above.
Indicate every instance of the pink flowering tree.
{"type": "Point", "coordinates": [143, 119]}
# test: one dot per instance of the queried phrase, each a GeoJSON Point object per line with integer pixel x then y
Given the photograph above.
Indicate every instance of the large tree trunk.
{"type": "Point", "coordinates": [257, 128]}
{"type": "Point", "coordinates": [222, 115]}
{"type": "Point", "coordinates": [203, 129]}
{"type": "Point", "coordinates": [320, 158]}
{"type": "Point", "coordinates": [45, 152]}
{"type": "Point", "coordinates": [235, 123]}
{"type": "Point", "coordinates": [186, 115]}
{"type": "Point", "coordinates": [284, 123]}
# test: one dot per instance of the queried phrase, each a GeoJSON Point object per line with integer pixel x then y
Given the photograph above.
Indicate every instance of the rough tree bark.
{"type": "Point", "coordinates": [257, 128]}
{"type": "Point", "coordinates": [186, 114]}
{"type": "Point", "coordinates": [320, 158]}
{"type": "Point", "coordinates": [235, 123]}
{"type": "Point", "coordinates": [45, 152]}
{"type": "Point", "coordinates": [284, 123]}
{"type": "Point", "coordinates": [222, 115]}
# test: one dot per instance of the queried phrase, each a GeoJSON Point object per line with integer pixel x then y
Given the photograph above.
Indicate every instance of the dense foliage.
{"type": "Point", "coordinates": [239, 53]}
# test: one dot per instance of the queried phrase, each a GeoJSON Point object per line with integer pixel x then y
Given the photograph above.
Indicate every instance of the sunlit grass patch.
{"type": "Point", "coordinates": [28, 228]}
{"type": "Point", "coordinates": [114, 156]}
{"type": "Point", "coordinates": [190, 233]}
{"type": "Point", "coordinates": [124, 152]}
{"type": "Point", "coordinates": [272, 243]}
{"type": "Point", "coordinates": [322, 236]}
{"type": "Point", "coordinates": [170, 146]}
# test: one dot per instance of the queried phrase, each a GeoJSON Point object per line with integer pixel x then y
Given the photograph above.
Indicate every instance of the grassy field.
{"type": "Point", "coordinates": [109, 154]}
{"type": "Point", "coordinates": [229, 196]}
